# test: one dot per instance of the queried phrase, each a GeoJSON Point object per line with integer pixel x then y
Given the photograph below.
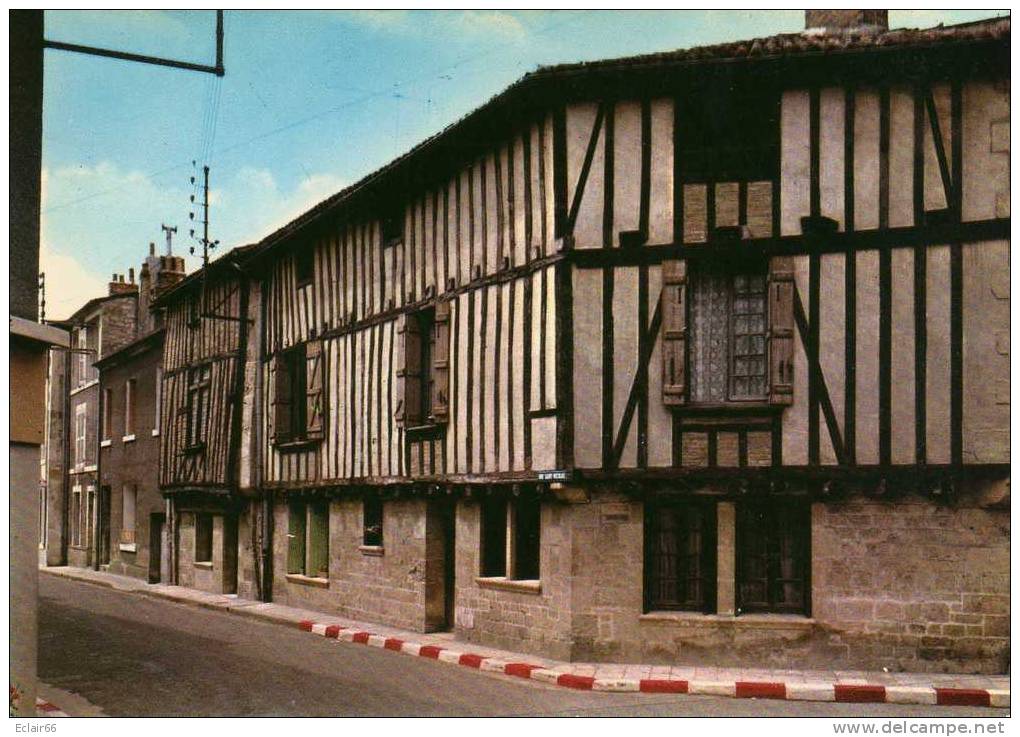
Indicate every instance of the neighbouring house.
{"type": "Point", "coordinates": [202, 389]}
{"type": "Point", "coordinates": [78, 506]}
{"type": "Point", "coordinates": [130, 380]}
{"type": "Point", "coordinates": [695, 357]}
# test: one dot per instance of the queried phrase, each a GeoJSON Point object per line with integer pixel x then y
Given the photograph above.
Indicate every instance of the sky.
{"type": "Point", "coordinates": [311, 102]}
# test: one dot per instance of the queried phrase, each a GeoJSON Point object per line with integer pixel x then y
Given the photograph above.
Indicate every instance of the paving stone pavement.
{"type": "Point", "coordinates": [811, 685]}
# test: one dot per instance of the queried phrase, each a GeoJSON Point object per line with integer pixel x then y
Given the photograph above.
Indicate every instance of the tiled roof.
{"type": "Point", "coordinates": [782, 45]}
{"type": "Point", "coordinates": [805, 42]}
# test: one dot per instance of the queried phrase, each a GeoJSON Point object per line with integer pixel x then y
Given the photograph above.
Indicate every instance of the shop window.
{"type": "Point", "coordinates": [203, 537]}
{"type": "Point", "coordinates": [773, 557]}
{"type": "Point", "coordinates": [680, 555]}
{"type": "Point", "coordinates": [372, 522]}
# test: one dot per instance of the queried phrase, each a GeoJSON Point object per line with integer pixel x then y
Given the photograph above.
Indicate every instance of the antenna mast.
{"type": "Point", "coordinates": [169, 237]}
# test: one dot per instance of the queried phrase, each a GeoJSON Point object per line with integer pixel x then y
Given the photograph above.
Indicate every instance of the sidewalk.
{"type": "Point", "coordinates": [807, 685]}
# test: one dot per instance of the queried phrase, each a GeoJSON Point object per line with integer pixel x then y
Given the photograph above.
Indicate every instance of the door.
{"type": "Point", "coordinates": [157, 521]}
{"type": "Point", "coordinates": [104, 526]}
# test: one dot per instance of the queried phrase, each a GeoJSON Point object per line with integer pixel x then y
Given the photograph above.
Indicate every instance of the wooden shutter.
{"type": "Point", "coordinates": [781, 287]}
{"type": "Point", "coordinates": [441, 364]}
{"type": "Point", "coordinates": [281, 409]}
{"type": "Point", "coordinates": [408, 412]}
{"type": "Point", "coordinates": [674, 332]}
{"type": "Point", "coordinates": [296, 538]}
{"type": "Point", "coordinates": [314, 395]}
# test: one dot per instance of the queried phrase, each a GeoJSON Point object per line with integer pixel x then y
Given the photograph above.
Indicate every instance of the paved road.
{"type": "Point", "coordinates": [135, 656]}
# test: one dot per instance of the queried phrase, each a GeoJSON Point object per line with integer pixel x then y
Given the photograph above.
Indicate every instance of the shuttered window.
{"type": "Point", "coordinates": [423, 367]}
{"type": "Point", "coordinates": [674, 332]}
{"type": "Point", "coordinates": [781, 286]}
{"type": "Point", "coordinates": [296, 531]}
{"type": "Point", "coordinates": [773, 557]}
{"type": "Point", "coordinates": [680, 555]}
{"type": "Point", "coordinates": [308, 538]}
{"type": "Point", "coordinates": [298, 394]}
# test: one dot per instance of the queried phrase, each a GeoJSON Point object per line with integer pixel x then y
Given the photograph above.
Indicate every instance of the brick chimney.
{"type": "Point", "coordinates": [170, 272]}
{"type": "Point", "coordinates": [119, 286]}
{"type": "Point", "coordinates": [846, 21]}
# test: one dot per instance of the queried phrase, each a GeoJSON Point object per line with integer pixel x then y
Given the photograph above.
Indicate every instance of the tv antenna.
{"type": "Point", "coordinates": [169, 237]}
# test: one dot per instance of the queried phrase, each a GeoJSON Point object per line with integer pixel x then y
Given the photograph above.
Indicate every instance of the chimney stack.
{"type": "Point", "coordinates": [846, 21]}
{"type": "Point", "coordinates": [119, 286]}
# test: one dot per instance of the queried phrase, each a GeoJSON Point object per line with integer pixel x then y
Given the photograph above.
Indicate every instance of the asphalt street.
{"type": "Point", "coordinates": [130, 655]}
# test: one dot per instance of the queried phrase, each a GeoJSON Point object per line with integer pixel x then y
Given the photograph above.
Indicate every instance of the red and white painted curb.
{"type": "Point", "coordinates": [837, 692]}
{"type": "Point", "coordinates": [44, 708]}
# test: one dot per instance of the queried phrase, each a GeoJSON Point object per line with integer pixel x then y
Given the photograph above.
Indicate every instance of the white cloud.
{"type": "Point", "coordinates": [99, 219]}
{"type": "Point", "coordinates": [69, 282]}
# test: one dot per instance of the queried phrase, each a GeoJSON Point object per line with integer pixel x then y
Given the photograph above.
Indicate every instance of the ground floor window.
{"type": "Point", "coordinates": [203, 537]}
{"type": "Point", "coordinates": [308, 538]}
{"type": "Point", "coordinates": [75, 516]}
{"type": "Point", "coordinates": [518, 521]}
{"type": "Point", "coordinates": [680, 542]}
{"type": "Point", "coordinates": [129, 497]}
{"type": "Point", "coordinates": [372, 522]}
{"type": "Point", "coordinates": [773, 557]}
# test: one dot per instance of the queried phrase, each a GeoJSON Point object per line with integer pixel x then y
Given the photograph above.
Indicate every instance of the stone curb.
{"type": "Point", "coordinates": [44, 708]}
{"type": "Point", "coordinates": [793, 691]}
{"type": "Point", "coordinates": [837, 692]}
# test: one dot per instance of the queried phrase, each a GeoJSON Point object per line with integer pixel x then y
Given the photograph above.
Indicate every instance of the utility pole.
{"type": "Point", "coordinates": [169, 236]}
{"type": "Point", "coordinates": [207, 245]}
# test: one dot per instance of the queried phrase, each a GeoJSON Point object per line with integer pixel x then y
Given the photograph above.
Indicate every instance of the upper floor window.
{"type": "Point", "coordinates": [129, 407]}
{"type": "Point", "coordinates": [80, 429]}
{"type": "Point", "coordinates": [392, 226]}
{"type": "Point", "coordinates": [199, 386]}
{"type": "Point", "coordinates": [157, 410]}
{"type": "Point", "coordinates": [727, 332]}
{"type": "Point", "coordinates": [423, 370]}
{"type": "Point", "coordinates": [304, 266]}
{"type": "Point", "coordinates": [107, 413]}
{"type": "Point", "coordinates": [298, 397]}
{"type": "Point", "coordinates": [729, 134]}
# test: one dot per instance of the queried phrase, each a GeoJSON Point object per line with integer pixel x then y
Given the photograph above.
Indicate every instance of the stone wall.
{"type": "Point", "coordinates": [509, 616]}
{"type": "Point", "coordinates": [218, 576]}
{"type": "Point", "coordinates": [904, 585]}
{"type": "Point", "coordinates": [913, 586]}
{"type": "Point", "coordinates": [385, 586]}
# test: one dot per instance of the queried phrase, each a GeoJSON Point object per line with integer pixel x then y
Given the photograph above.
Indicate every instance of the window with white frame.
{"type": "Point", "coordinates": [80, 425]}
{"type": "Point", "coordinates": [129, 499]}
{"type": "Point", "coordinates": [129, 408]}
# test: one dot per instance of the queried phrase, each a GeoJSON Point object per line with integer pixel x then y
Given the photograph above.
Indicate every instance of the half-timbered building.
{"type": "Point", "coordinates": [201, 383]}
{"type": "Point", "coordinates": [696, 356]}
